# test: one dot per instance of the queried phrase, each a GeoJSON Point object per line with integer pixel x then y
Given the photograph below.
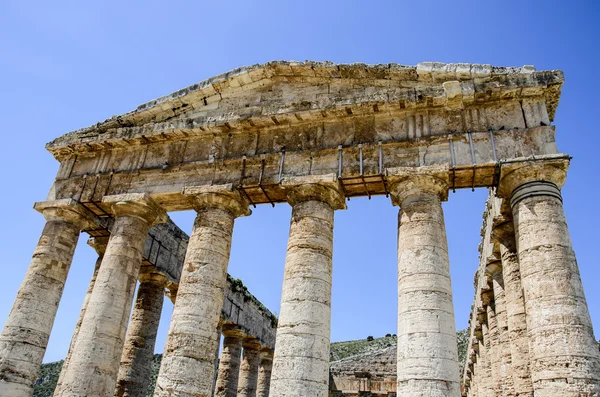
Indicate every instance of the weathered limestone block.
{"type": "Point", "coordinates": [515, 307]}
{"type": "Point", "coordinates": [187, 367]}
{"type": "Point", "coordinates": [25, 336]}
{"type": "Point", "coordinates": [135, 369]}
{"type": "Point", "coordinates": [264, 374]}
{"type": "Point", "coordinates": [427, 350]}
{"type": "Point", "coordinates": [565, 360]}
{"type": "Point", "coordinates": [301, 359]}
{"type": "Point", "coordinates": [493, 345]}
{"type": "Point", "coordinates": [95, 359]}
{"type": "Point", "coordinates": [99, 244]}
{"type": "Point", "coordinates": [248, 380]}
{"type": "Point", "coordinates": [229, 365]}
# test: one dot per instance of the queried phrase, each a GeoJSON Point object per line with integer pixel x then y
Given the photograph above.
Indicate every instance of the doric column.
{"type": "Point", "coordinates": [229, 365]}
{"type": "Point", "coordinates": [565, 360]}
{"type": "Point", "coordinates": [249, 370]}
{"type": "Point", "coordinates": [264, 373]}
{"type": "Point", "coordinates": [95, 358]}
{"type": "Point", "coordinates": [26, 331]}
{"type": "Point", "coordinates": [136, 360]}
{"type": "Point", "coordinates": [301, 360]}
{"type": "Point", "coordinates": [492, 343]}
{"type": "Point", "coordinates": [502, 356]}
{"type": "Point", "coordinates": [427, 350]}
{"type": "Point", "coordinates": [518, 340]}
{"type": "Point", "coordinates": [99, 245]}
{"type": "Point", "coordinates": [187, 366]}
{"type": "Point", "coordinates": [485, 368]}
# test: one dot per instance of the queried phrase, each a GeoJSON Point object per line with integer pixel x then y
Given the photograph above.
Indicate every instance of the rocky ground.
{"type": "Point", "coordinates": [353, 355]}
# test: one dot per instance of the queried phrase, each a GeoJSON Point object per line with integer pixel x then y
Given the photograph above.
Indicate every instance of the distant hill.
{"type": "Point", "coordinates": [341, 354]}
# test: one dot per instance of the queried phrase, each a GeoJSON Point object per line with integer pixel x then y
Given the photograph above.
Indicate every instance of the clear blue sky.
{"type": "Point", "coordinates": [69, 64]}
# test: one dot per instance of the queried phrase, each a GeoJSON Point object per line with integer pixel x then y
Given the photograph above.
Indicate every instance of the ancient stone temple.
{"type": "Point", "coordinates": [313, 135]}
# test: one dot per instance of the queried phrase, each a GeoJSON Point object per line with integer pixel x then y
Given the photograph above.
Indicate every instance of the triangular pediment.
{"type": "Point", "coordinates": [277, 94]}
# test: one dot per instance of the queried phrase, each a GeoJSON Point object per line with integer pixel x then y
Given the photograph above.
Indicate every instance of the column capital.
{"type": "Point", "coordinates": [518, 172]}
{"type": "Point", "coordinates": [67, 210]}
{"type": "Point", "coordinates": [153, 277]}
{"type": "Point", "coordinates": [98, 243]}
{"type": "Point", "coordinates": [324, 188]}
{"type": "Point", "coordinates": [138, 205]}
{"type": "Point", "coordinates": [493, 266]}
{"type": "Point", "coordinates": [251, 343]}
{"type": "Point", "coordinates": [407, 182]}
{"type": "Point", "coordinates": [233, 331]}
{"type": "Point", "coordinates": [266, 354]}
{"type": "Point", "coordinates": [218, 196]}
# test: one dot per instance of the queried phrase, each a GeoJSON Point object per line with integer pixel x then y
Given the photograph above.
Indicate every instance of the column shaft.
{"type": "Point", "coordinates": [25, 336]}
{"type": "Point", "coordinates": [187, 367]}
{"type": "Point", "coordinates": [515, 318]}
{"type": "Point", "coordinates": [95, 359]}
{"type": "Point", "coordinates": [486, 386]}
{"type": "Point", "coordinates": [229, 367]}
{"type": "Point", "coordinates": [565, 360]}
{"type": "Point", "coordinates": [249, 373]}
{"type": "Point", "coordinates": [264, 376]}
{"type": "Point", "coordinates": [427, 349]}
{"type": "Point", "coordinates": [503, 355]}
{"type": "Point", "coordinates": [136, 360]}
{"type": "Point", "coordinates": [99, 244]}
{"type": "Point", "coordinates": [301, 362]}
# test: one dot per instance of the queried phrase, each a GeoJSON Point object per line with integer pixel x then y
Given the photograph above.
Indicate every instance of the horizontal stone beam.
{"type": "Point", "coordinates": [472, 158]}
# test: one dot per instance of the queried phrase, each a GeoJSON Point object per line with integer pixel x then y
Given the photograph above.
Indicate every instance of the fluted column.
{"type": "Point", "coordinates": [427, 350]}
{"type": "Point", "coordinates": [515, 307]}
{"type": "Point", "coordinates": [99, 245]}
{"type": "Point", "coordinates": [249, 370]}
{"type": "Point", "coordinates": [301, 360]}
{"type": "Point", "coordinates": [95, 358]}
{"type": "Point", "coordinates": [492, 344]}
{"type": "Point", "coordinates": [229, 365]}
{"type": "Point", "coordinates": [136, 360]}
{"type": "Point", "coordinates": [565, 360]}
{"type": "Point", "coordinates": [485, 388]}
{"type": "Point", "coordinates": [187, 367]}
{"type": "Point", "coordinates": [264, 374]}
{"type": "Point", "coordinates": [25, 336]}
{"type": "Point", "coordinates": [502, 354]}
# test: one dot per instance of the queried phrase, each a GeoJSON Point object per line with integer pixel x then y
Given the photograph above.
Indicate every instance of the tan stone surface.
{"type": "Point", "coordinates": [95, 359]}
{"type": "Point", "coordinates": [264, 374]}
{"type": "Point", "coordinates": [301, 359]}
{"type": "Point", "coordinates": [564, 356]}
{"type": "Point", "coordinates": [248, 380]}
{"type": "Point", "coordinates": [25, 335]}
{"type": "Point", "coordinates": [135, 369]}
{"type": "Point", "coordinates": [229, 366]}
{"type": "Point", "coordinates": [187, 367]}
{"type": "Point", "coordinates": [427, 350]}
{"type": "Point", "coordinates": [99, 244]}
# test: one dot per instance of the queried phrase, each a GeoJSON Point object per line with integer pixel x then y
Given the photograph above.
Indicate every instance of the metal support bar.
{"type": "Point", "coordinates": [472, 159]}
{"type": "Point", "coordinates": [281, 161]}
{"type": "Point", "coordinates": [243, 175]}
{"type": "Point", "coordinates": [380, 158]}
{"type": "Point", "coordinates": [339, 161]}
{"type": "Point", "coordinates": [493, 145]}
{"type": "Point", "coordinates": [360, 154]}
{"type": "Point", "coordinates": [260, 178]}
{"type": "Point", "coordinates": [453, 163]}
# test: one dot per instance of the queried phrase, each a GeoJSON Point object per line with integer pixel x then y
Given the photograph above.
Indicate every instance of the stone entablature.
{"type": "Point", "coordinates": [354, 125]}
